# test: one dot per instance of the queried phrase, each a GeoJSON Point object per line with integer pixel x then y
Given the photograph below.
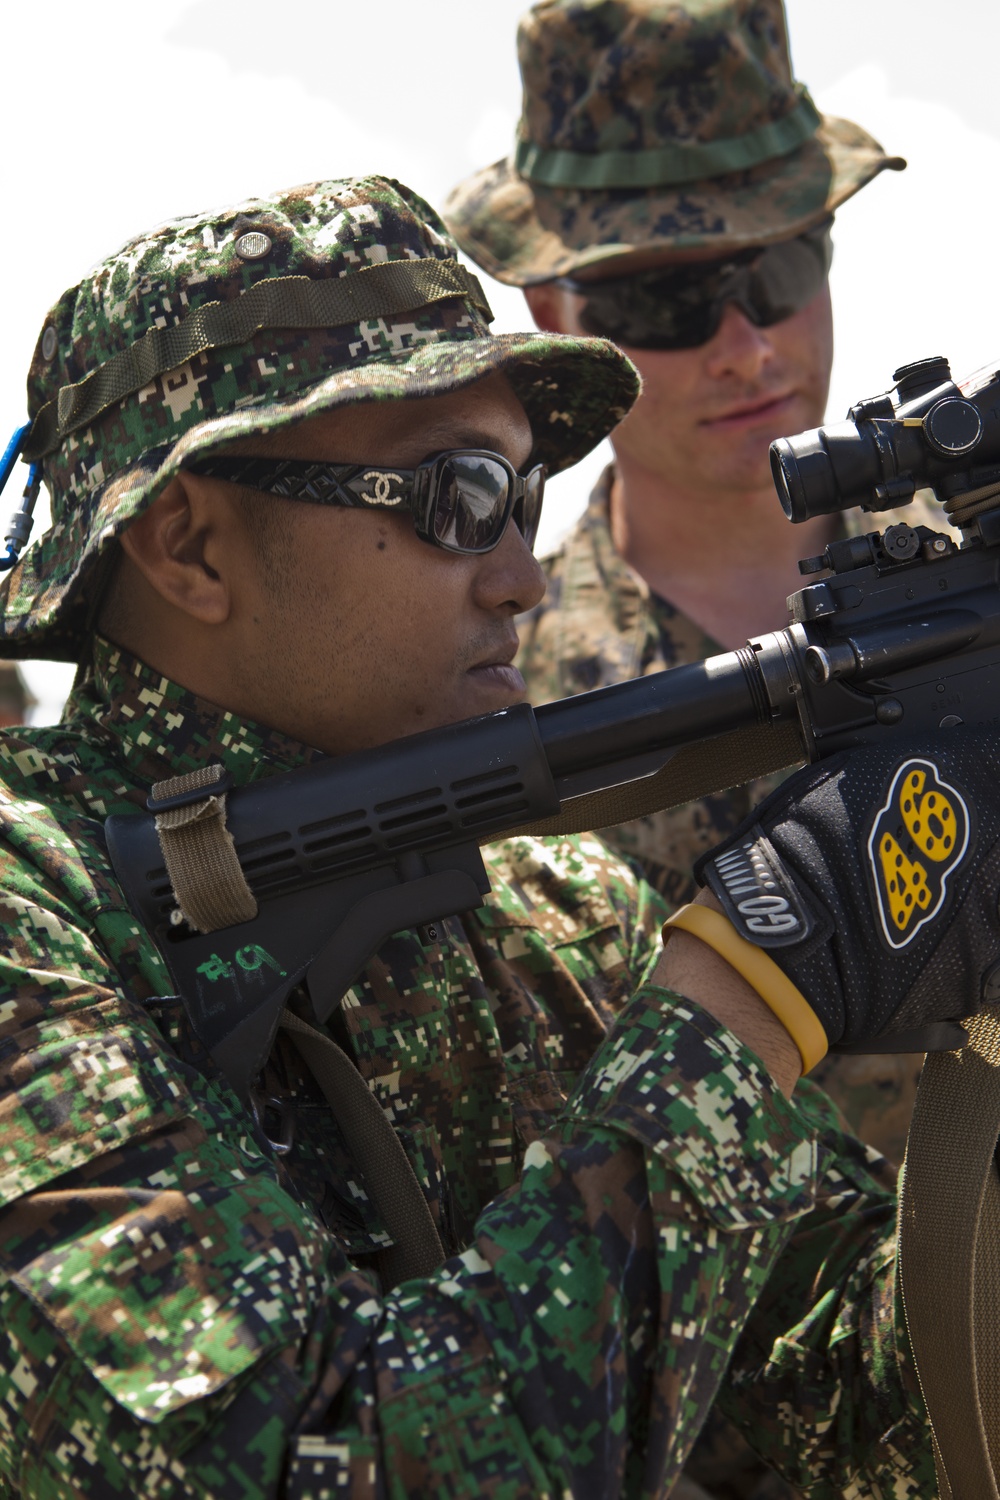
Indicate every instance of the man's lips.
{"type": "Point", "coordinates": [498, 670]}
{"type": "Point", "coordinates": [499, 674]}
{"type": "Point", "coordinates": [748, 412]}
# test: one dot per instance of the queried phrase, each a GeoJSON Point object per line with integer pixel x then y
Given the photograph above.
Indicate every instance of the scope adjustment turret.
{"type": "Point", "coordinates": [921, 375]}
{"type": "Point", "coordinates": [953, 427]}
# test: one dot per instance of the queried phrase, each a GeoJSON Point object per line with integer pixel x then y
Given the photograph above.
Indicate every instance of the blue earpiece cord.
{"type": "Point", "coordinates": [19, 528]}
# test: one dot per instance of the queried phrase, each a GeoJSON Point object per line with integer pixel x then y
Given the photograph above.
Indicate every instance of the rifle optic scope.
{"type": "Point", "coordinates": [927, 432]}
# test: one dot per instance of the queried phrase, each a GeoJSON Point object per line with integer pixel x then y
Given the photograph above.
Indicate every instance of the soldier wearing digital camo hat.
{"type": "Point", "coordinates": [294, 488]}
{"type": "Point", "coordinates": [245, 321]}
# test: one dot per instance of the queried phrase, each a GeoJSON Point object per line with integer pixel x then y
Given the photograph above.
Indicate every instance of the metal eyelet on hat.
{"type": "Point", "coordinates": [50, 342]}
{"type": "Point", "coordinates": [253, 245]}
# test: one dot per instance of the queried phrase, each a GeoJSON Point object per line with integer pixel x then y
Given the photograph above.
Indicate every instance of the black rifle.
{"type": "Point", "coordinates": [902, 635]}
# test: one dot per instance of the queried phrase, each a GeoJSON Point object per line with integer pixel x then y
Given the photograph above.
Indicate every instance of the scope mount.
{"type": "Point", "coordinates": [897, 546]}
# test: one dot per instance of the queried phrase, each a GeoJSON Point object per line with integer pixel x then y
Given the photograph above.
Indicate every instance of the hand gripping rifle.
{"type": "Point", "coordinates": [900, 635]}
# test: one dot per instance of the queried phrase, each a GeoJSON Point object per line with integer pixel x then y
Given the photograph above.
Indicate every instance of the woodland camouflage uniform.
{"type": "Point", "coordinates": [632, 1212]}
{"type": "Point", "coordinates": [651, 127]}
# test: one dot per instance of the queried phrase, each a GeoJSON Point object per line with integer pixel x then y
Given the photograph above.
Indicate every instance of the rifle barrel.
{"type": "Point", "coordinates": [662, 711]}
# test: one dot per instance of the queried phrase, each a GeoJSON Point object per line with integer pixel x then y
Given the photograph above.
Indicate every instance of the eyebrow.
{"type": "Point", "coordinates": [439, 437]}
{"type": "Point", "coordinates": [458, 435]}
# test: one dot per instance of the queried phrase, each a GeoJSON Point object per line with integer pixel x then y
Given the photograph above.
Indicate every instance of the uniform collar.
{"type": "Point", "coordinates": [622, 582]}
{"type": "Point", "coordinates": [156, 728]}
{"type": "Point", "coordinates": [611, 627]}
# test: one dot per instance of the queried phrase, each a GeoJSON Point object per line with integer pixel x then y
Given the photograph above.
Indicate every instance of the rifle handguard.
{"type": "Point", "coordinates": [762, 974]}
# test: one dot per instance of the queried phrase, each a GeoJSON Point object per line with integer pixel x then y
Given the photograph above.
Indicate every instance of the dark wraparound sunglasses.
{"type": "Point", "coordinates": [681, 306]}
{"type": "Point", "coordinates": [461, 500]}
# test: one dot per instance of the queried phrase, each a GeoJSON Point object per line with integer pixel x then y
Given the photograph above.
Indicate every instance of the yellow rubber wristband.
{"type": "Point", "coordinates": [775, 988]}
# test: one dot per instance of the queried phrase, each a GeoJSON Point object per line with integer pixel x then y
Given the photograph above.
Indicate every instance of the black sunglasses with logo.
{"type": "Point", "coordinates": [681, 306]}
{"type": "Point", "coordinates": [461, 500]}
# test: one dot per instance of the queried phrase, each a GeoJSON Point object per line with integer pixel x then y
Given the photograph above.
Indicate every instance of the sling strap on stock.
{"type": "Point", "coordinates": [208, 881]}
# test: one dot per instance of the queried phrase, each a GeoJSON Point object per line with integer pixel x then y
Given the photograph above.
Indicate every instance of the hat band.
{"type": "Point", "coordinates": [669, 166]}
{"type": "Point", "coordinates": [377, 291]}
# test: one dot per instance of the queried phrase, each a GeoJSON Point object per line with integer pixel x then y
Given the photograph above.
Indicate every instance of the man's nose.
{"type": "Point", "coordinates": [738, 347]}
{"type": "Point", "coordinates": [510, 577]}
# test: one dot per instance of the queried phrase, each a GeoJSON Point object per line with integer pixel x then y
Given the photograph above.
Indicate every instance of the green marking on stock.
{"type": "Point", "coordinates": [251, 959]}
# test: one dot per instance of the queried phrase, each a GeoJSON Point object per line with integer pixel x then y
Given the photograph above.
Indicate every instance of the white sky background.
{"type": "Point", "coordinates": [118, 114]}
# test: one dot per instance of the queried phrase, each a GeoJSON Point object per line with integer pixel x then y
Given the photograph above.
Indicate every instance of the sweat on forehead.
{"type": "Point", "coordinates": [241, 321]}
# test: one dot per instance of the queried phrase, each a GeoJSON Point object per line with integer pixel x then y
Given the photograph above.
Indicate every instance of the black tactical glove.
{"type": "Point", "coordinates": [871, 881]}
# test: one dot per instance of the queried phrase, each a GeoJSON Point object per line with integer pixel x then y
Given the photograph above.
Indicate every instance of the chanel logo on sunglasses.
{"type": "Point", "coordinates": [383, 489]}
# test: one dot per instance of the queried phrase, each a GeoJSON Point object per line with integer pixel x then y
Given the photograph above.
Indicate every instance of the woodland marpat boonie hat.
{"type": "Point", "coordinates": [653, 126]}
{"type": "Point", "coordinates": [247, 319]}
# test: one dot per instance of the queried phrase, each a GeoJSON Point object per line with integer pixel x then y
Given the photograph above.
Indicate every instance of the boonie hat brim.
{"type": "Point", "coordinates": [525, 232]}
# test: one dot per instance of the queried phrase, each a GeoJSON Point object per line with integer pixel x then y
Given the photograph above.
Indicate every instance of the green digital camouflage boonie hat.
{"type": "Point", "coordinates": [656, 126]}
{"type": "Point", "coordinates": [251, 318]}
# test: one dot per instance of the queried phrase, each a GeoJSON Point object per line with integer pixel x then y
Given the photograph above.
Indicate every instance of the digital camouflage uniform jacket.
{"type": "Point", "coordinates": [186, 1312]}
{"type": "Point", "coordinates": [599, 623]}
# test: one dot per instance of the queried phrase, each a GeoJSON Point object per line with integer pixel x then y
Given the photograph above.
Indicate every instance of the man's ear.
{"type": "Point", "coordinates": [185, 546]}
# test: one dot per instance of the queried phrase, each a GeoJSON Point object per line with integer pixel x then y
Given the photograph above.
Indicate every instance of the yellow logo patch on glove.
{"type": "Point", "coordinates": [918, 838]}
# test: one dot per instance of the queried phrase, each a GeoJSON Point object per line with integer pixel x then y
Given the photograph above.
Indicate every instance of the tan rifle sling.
{"type": "Point", "coordinates": [949, 1258]}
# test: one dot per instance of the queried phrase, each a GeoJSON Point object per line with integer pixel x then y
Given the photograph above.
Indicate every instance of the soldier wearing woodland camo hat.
{"type": "Point", "coordinates": [294, 485]}
{"type": "Point", "coordinates": [672, 188]}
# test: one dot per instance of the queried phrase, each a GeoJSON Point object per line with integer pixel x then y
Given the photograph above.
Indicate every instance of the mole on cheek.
{"type": "Point", "coordinates": [381, 546]}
